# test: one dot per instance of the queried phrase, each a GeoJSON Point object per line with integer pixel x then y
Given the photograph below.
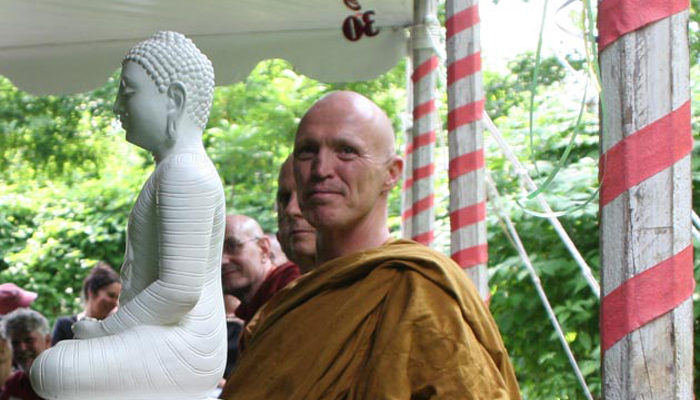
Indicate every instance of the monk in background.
{"type": "Point", "coordinates": [247, 269]}
{"type": "Point", "coordinates": [295, 234]}
{"type": "Point", "coordinates": [377, 318]}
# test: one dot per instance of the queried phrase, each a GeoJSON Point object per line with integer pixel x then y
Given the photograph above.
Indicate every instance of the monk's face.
{"type": "Point", "coordinates": [296, 236]}
{"type": "Point", "coordinates": [141, 108]}
{"type": "Point", "coordinates": [343, 162]}
{"type": "Point", "coordinates": [242, 260]}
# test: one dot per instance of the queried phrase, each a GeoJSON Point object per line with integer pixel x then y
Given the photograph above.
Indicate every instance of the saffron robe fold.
{"type": "Point", "coordinates": [400, 321]}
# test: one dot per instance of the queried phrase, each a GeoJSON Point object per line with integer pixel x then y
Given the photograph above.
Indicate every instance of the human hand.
{"type": "Point", "coordinates": [88, 328]}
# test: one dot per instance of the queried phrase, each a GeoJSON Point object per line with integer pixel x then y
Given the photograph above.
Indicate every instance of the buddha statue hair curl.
{"type": "Point", "coordinates": [171, 57]}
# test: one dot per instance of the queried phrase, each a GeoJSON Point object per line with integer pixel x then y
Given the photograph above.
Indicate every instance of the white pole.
{"type": "Point", "coordinates": [426, 121]}
{"type": "Point", "coordinates": [407, 188]}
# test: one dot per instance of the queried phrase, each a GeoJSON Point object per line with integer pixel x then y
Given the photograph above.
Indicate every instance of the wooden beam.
{"type": "Point", "coordinates": [646, 249]}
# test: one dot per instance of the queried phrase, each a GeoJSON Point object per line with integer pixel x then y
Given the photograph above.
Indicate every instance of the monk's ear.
{"type": "Point", "coordinates": [394, 170]}
{"type": "Point", "coordinates": [265, 248]}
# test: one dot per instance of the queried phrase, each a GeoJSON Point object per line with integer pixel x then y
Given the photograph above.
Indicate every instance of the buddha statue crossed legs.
{"type": "Point", "coordinates": [167, 340]}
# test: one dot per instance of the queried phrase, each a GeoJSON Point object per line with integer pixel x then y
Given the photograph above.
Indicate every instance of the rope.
{"type": "Point", "coordinates": [429, 36]}
{"type": "Point", "coordinates": [515, 239]}
{"type": "Point", "coordinates": [527, 181]}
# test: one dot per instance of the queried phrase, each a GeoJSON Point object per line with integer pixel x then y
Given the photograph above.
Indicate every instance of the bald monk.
{"type": "Point", "coordinates": [247, 269]}
{"type": "Point", "coordinates": [377, 318]}
{"type": "Point", "coordinates": [295, 234]}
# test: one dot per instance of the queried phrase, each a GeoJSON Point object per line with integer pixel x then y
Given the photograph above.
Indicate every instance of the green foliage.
{"type": "Point", "coordinates": [695, 120]}
{"type": "Point", "coordinates": [541, 364]}
{"type": "Point", "coordinates": [52, 235]}
{"type": "Point", "coordinates": [68, 181]}
{"type": "Point", "coordinates": [51, 137]}
{"type": "Point", "coordinates": [506, 92]}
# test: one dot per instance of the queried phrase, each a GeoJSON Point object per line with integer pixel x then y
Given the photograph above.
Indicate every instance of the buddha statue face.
{"type": "Point", "coordinates": [164, 80]}
{"type": "Point", "coordinates": [141, 107]}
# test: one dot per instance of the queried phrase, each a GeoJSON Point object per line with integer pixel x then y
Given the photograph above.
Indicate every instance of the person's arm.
{"type": "Point", "coordinates": [62, 330]}
{"type": "Point", "coordinates": [188, 190]}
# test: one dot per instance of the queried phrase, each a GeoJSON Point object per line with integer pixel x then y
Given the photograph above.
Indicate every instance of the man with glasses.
{"type": "Point", "coordinates": [247, 270]}
{"type": "Point", "coordinates": [28, 333]}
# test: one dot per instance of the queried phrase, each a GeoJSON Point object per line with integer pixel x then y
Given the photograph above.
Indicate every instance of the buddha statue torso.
{"type": "Point", "coordinates": [167, 339]}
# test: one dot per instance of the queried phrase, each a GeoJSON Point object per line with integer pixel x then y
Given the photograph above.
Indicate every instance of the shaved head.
{"type": "Point", "coordinates": [345, 164]}
{"type": "Point", "coordinates": [355, 109]}
{"type": "Point", "coordinates": [244, 226]}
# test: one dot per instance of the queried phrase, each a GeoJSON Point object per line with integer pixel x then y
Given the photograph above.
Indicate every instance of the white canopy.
{"type": "Point", "coordinates": [70, 46]}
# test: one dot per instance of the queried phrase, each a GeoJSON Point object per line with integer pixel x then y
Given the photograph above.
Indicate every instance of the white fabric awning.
{"type": "Point", "coordinates": [71, 46]}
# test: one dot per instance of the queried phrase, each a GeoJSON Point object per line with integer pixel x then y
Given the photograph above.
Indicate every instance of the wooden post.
{"type": "Point", "coordinates": [465, 95]}
{"type": "Point", "coordinates": [421, 150]}
{"type": "Point", "coordinates": [645, 200]}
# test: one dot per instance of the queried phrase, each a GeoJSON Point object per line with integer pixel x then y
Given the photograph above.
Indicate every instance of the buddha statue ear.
{"type": "Point", "coordinates": [177, 97]}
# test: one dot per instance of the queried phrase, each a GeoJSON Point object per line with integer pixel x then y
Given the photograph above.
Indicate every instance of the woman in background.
{"type": "Point", "coordinates": [101, 293]}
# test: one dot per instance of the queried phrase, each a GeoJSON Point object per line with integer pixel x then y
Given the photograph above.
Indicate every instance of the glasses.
{"type": "Point", "coordinates": [234, 246]}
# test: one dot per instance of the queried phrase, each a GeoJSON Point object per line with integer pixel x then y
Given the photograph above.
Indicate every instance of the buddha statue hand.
{"type": "Point", "coordinates": [89, 328]}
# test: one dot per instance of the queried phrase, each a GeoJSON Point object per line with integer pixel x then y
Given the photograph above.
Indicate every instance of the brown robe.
{"type": "Point", "coordinates": [400, 321]}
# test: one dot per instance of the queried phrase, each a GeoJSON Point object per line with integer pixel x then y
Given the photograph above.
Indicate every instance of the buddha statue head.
{"type": "Point", "coordinates": [166, 88]}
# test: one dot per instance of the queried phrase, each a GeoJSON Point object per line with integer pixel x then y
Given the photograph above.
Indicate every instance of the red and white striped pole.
{"type": "Point", "coordinates": [645, 199]}
{"type": "Point", "coordinates": [426, 121]}
{"type": "Point", "coordinates": [465, 95]}
{"type": "Point", "coordinates": [407, 189]}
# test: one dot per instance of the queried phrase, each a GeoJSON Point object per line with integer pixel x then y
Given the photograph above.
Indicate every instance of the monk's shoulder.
{"type": "Point", "coordinates": [428, 264]}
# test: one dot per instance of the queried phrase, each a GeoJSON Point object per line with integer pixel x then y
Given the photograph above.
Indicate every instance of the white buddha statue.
{"type": "Point", "coordinates": [167, 340]}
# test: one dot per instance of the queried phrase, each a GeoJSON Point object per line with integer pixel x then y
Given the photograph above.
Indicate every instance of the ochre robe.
{"type": "Point", "coordinates": [400, 321]}
{"type": "Point", "coordinates": [275, 280]}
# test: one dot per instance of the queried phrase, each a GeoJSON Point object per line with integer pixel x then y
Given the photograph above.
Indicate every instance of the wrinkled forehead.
{"type": "Point", "coordinates": [338, 110]}
{"type": "Point", "coordinates": [347, 118]}
{"type": "Point", "coordinates": [335, 126]}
